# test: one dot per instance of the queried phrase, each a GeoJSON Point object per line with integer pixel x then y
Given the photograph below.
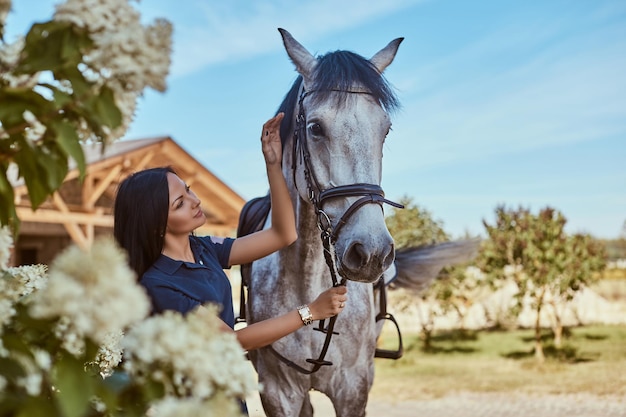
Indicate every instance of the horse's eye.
{"type": "Point", "coordinates": [316, 129]}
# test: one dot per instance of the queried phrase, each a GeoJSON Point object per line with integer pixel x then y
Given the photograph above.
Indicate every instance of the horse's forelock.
{"type": "Point", "coordinates": [337, 73]}
{"type": "Point", "coordinates": [342, 70]}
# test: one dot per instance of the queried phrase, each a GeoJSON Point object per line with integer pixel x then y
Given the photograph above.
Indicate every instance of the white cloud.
{"type": "Point", "coordinates": [573, 90]}
{"type": "Point", "coordinates": [236, 30]}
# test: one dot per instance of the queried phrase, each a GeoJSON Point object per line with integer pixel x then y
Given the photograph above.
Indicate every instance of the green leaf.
{"type": "Point", "coordinates": [60, 97]}
{"type": "Point", "coordinates": [69, 142]}
{"type": "Point", "coordinates": [104, 110]}
{"type": "Point", "coordinates": [75, 387]}
{"type": "Point", "coordinates": [8, 215]}
{"type": "Point", "coordinates": [15, 102]}
{"type": "Point", "coordinates": [33, 177]}
{"type": "Point", "coordinates": [43, 169]}
{"type": "Point", "coordinates": [11, 369]}
{"type": "Point", "coordinates": [53, 45]}
{"type": "Point", "coordinates": [54, 163]}
{"type": "Point", "coordinates": [80, 86]}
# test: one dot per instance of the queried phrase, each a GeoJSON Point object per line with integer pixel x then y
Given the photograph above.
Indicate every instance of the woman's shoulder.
{"type": "Point", "coordinates": [212, 241]}
{"type": "Point", "coordinates": [213, 248]}
{"type": "Point", "coordinates": [154, 276]}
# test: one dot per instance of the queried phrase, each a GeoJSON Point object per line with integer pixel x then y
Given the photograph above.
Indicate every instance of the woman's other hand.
{"type": "Point", "coordinates": [329, 303]}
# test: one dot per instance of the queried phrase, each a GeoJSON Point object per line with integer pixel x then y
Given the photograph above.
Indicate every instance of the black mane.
{"type": "Point", "coordinates": [338, 72]}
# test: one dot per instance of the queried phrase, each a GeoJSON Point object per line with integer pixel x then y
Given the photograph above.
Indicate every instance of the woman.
{"type": "Point", "coordinates": [155, 216]}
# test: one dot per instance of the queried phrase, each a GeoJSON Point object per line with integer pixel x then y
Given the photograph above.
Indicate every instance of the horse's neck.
{"type": "Point", "coordinates": [309, 242]}
{"type": "Point", "coordinates": [306, 253]}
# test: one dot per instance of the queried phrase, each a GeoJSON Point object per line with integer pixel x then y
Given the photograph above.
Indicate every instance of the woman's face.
{"type": "Point", "coordinates": [185, 214]}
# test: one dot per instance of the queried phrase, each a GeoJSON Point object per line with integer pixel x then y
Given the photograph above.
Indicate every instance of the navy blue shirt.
{"type": "Point", "coordinates": [182, 286]}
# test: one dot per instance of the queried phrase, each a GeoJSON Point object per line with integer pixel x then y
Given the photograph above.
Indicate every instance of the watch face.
{"type": "Point", "coordinates": [305, 314]}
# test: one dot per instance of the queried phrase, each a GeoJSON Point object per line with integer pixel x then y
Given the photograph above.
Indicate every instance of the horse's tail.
{"type": "Point", "coordinates": [416, 267]}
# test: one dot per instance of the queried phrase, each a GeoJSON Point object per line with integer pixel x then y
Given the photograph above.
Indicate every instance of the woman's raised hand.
{"type": "Point", "coordinates": [270, 140]}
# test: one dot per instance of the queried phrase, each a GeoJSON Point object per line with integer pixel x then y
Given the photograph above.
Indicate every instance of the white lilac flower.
{"type": "Point", "coordinates": [42, 359]}
{"type": "Point", "coordinates": [70, 339]}
{"type": "Point", "coordinates": [28, 279]}
{"type": "Point", "coordinates": [98, 405]}
{"type": "Point", "coordinates": [7, 310]}
{"type": "Point", "coordinates": [35, 130]}
{"type": "Point", "coordinates": [109, 354]}
{"type": "Point", "coordinates": [16, 283]}
{"type": "Point", "coordinates": [97, 15]}
{"type": "Point", "coordinates": [9, 57]}
{"type": "Point", "coordinates": [126, 102]}
{"type": "Point", "coordinates": [6, 243]}
{"type": "Point", "coordinates": [192, 355]}
{"type": "Point", "coordinates": [95, 292]}
{"type": "Point", "coordinates": [31, 381]}
{"type": "Point", "coordinates": [127, 56]}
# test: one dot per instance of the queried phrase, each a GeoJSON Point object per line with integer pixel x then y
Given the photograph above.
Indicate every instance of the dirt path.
{"type": "Point", "coordinates": [480, 405]}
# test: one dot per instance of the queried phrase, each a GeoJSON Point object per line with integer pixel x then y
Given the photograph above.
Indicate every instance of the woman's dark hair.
{"type": "Point", "coordinates": [140, 211]}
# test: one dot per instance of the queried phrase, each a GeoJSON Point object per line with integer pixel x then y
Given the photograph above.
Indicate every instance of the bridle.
{"type": "Point", "coordinates": [369, 193]}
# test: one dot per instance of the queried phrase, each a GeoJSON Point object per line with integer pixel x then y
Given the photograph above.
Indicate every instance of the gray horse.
{"type": "Point", "coordinates": [337, 115]}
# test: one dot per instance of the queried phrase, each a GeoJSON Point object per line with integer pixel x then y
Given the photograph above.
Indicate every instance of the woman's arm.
{"type": "Point", "coordinates": [283, 223]}
{"type": "Point", "coordinates": [329, 303]}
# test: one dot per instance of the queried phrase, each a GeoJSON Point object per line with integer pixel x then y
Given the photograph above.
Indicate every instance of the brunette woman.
{"type": "Point", "coordinates": [156, 214]}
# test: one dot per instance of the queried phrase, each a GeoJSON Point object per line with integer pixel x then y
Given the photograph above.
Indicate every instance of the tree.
{"type": "Point", "coordinates": [586, 257]}
{"type": "Point", "coordinates": [414, 229]}
{"type": "Point", "coordinates": [71, 80]}
{"type": "Point", "coordinates": [414, 225]}
{"type": "Point", "coordinates": [548, 267]}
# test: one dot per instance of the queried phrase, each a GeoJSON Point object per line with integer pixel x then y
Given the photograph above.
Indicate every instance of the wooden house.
{"type": "Point", "coordinates": [81, 210]}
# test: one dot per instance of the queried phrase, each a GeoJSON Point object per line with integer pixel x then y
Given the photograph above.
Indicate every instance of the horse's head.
{"type": "Point", "coordinates": [339, 112]}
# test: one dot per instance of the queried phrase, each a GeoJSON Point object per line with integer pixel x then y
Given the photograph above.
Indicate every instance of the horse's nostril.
{"type": "Point", "coordinates": [357, 257]}
{"type": "Point", "coordinates": [389, 258]}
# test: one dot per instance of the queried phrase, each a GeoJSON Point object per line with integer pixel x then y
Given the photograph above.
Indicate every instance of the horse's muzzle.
{"type": "Point", "coordinates": [362, 264]}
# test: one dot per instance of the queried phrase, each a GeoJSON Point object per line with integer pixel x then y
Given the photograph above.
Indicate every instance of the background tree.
{"type": "Point", "coordinates": [586, 257]}
{"type": "Point", "coordinates": [546, 265]}
{"type": "Point", "coordinates": [414, 227]}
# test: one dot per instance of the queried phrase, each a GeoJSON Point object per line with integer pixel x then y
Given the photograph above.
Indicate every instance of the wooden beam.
{"type": "Point", "coordinates": [143, 162]}
{"type": "Point", "coordinates": [25, 214]}
{"type": "Point", "coordinates": [72, 228]}
{"type": "Point", "coordinates": [87, 187]}
{"type": "Point", "coordinates": [89, 200]}
{"type": "Point", "coordinates": [99, 219]}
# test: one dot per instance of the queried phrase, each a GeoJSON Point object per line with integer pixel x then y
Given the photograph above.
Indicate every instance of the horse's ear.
{"type": "Point", "coordinates": [385, 56]}
{"type": "Point", "coordinates": [303, 60]}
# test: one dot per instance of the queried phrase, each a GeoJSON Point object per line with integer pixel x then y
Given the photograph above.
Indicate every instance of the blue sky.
{"type": "Point", "coordinates": [503, 102]}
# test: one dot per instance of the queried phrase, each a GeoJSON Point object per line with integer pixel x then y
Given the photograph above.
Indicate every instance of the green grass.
{"type": "Point", "coordinates": [592, 360]}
